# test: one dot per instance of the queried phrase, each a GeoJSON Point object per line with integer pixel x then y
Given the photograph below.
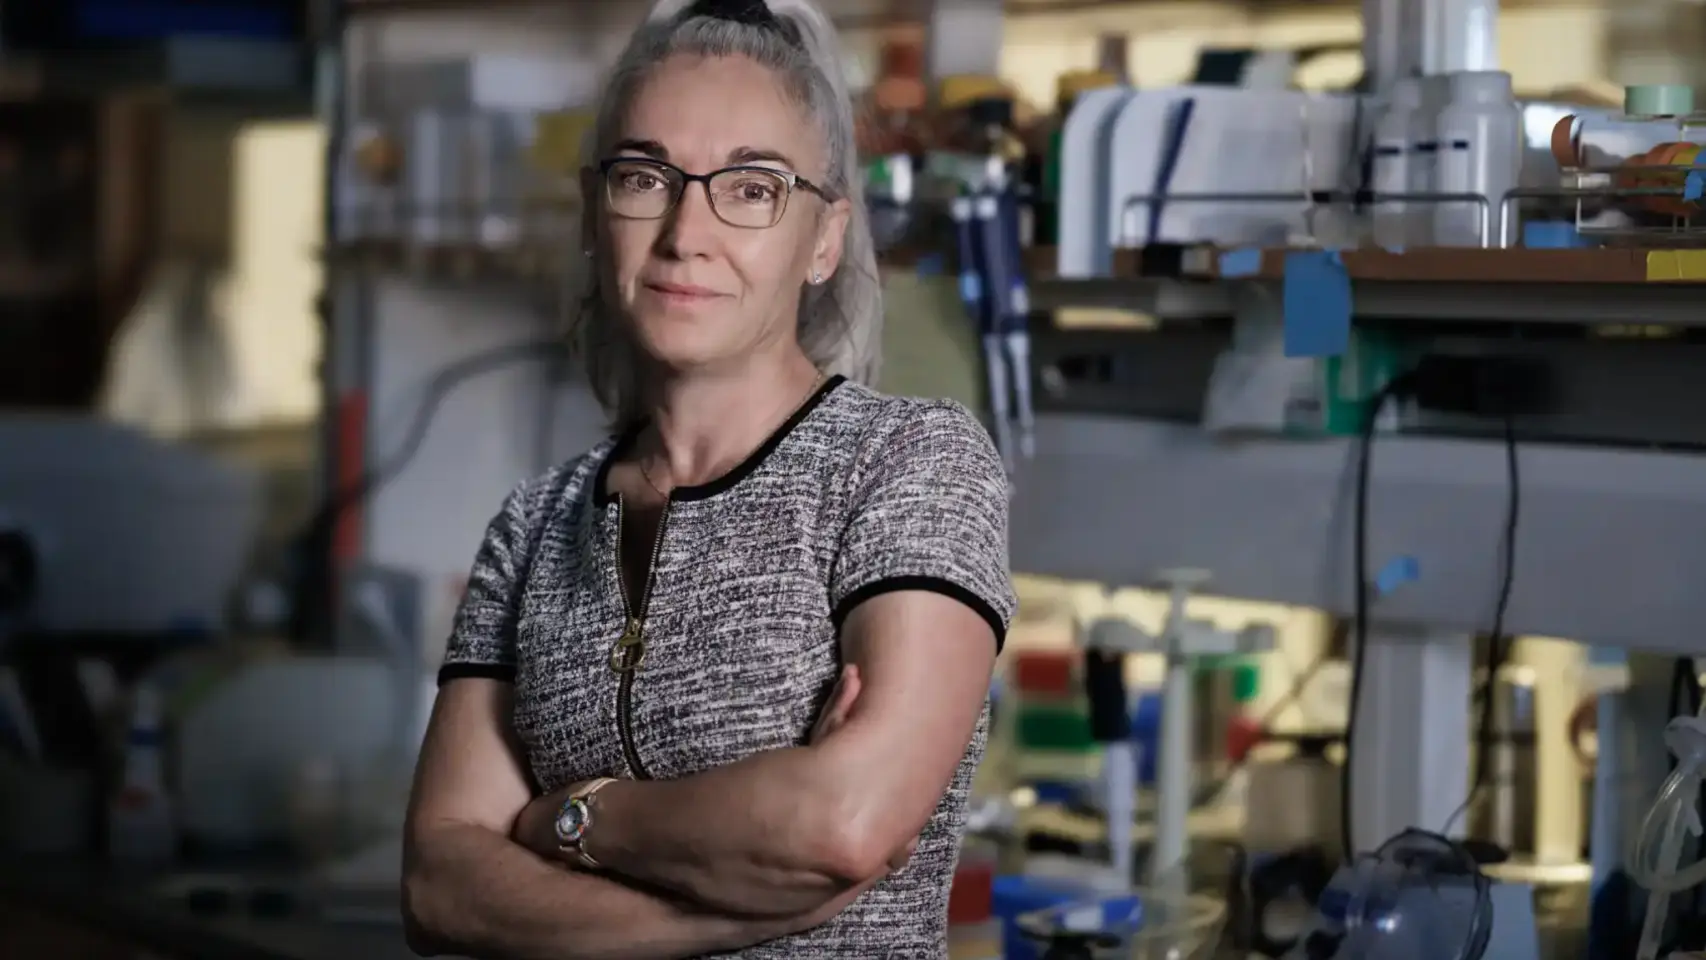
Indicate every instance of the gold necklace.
{"type": "Point", "coordinates": [811, 391]}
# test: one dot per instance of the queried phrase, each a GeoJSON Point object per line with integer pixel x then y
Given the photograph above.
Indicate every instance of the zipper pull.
{"type": "Point", "coordinates": [629, 650]}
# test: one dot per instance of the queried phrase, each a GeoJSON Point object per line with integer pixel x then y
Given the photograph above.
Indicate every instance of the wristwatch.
{"type": "Point", "coordinates": [573, 821]}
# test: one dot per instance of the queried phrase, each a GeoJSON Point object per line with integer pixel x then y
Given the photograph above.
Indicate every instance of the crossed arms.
{"type": "Point", "coordinates": [769, 846]}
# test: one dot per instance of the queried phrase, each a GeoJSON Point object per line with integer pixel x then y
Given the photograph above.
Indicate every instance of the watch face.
{"type": "Point", "coordinates": [571, 822]}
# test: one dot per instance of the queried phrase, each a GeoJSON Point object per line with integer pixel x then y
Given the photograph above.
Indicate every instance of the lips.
{"type": "Point", "coordinates": [684, 291]}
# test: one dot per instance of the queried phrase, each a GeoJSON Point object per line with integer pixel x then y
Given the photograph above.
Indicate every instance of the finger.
{"type": "Point", "coordinates": [840, 706]}
{"type": "Point", "coordinates": [826, 717]}
{"type": "Point", "coordinates": [903, 855]}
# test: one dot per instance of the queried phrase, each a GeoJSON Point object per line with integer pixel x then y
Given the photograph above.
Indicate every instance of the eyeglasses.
{"type": "Point", "coordinates": [752, 198]}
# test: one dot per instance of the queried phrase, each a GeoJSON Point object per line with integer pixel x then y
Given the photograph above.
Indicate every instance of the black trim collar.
{"type": "Point", "coordinates": [726, 482]}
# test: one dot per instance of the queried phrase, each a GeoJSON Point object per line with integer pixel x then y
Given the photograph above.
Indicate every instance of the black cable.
{"type": "Point", "coordinates": [310, 611]}
{"type": "Point", "coordinates": [1365, 448]}
{"type": "Point", "coordinates": [1498, 645]}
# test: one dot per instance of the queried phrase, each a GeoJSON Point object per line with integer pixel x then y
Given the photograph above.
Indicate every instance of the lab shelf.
{"type": "Point", "coordinates": [1575, 287]}
{"type": "Point", "coordinates": [1556, 302]}
{"type": "Point", "coordinates": [1589, 286]}
{"type": "Point", "coordinates": [1608, 545]}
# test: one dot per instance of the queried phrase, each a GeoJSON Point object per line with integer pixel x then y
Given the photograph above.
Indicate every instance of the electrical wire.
{"type": "Point", "coordinates": [1498, 645]}
{"type": "Point", "coordinates": [1365, 450]}
{"type": "Point", "coordinates": [313, 588]}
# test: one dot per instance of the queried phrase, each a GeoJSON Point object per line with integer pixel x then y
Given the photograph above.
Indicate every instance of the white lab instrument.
{"type": "Point", "coordinates": [131, 534]}
{"type": "Point", "coordinates": [1390, 167]}
{"type": "Point", "coordinates": [1202, 141]}
{"type": "Point", "coordinates": [1480, 137]}
{"type": "Point", "coordinates": [1086, 239]}
{"type": "Point", "coordinates": [1181, 639]}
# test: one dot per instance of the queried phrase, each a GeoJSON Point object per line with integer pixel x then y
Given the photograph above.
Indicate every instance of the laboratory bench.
{"type": "Point", "coordinates": [54, 910]}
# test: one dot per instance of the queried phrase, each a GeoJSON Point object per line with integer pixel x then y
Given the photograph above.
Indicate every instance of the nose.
{"type": "Point", "coordinates": [692, 225]}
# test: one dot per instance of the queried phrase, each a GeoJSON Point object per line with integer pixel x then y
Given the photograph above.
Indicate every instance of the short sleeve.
{"type": "Point", "coordinates": [928, 511]}
{"type": "Point", "coordinates": [482, 638]}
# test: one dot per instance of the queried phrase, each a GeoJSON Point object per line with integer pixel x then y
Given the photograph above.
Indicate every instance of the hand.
{"type": "Point", "coordinates": [834, 715]}
{"type": "Point", "coordinates": [839, 705]}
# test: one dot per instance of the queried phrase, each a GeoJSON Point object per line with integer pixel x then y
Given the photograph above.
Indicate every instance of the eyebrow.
{"type": "Point", "coordinates": [737, 157]}
{"type": "Point", "coordinates": [742, 155]}
{"type": "Point", "coordinates": [650, 148]}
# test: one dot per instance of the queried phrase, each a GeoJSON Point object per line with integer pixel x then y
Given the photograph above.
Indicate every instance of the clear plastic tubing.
{"type": "Point", "coordinates": [1670, 823]}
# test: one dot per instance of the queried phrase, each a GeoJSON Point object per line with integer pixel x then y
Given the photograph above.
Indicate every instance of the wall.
{"type": "Point", "coordinates": [226, 335]}
{"type": "Point", "coordinates": [1545, 47]}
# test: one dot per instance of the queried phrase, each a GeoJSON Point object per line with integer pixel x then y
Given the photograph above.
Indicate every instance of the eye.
{"type": "Point", "coordinates": [641, 181]}
{"type": "Point", "coordinates": [756, 189]}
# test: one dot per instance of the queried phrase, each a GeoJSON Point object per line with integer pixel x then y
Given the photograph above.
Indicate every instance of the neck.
{"type": "Point", "coordinates": [704, 422]}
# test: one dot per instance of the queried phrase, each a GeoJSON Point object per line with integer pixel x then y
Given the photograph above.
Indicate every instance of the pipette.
{"type": "Point", "coordinates": [1018, 334]}
{"type": "Point", "coordinates": [976, 294]}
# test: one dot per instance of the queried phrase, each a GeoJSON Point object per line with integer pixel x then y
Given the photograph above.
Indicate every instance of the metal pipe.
{"type": "Point", "coordinates": [1513, 198]}
{"type": "Point", "coordinates": [1312, 199]}
{"type": "Point", "coordinates": [1320, 198]}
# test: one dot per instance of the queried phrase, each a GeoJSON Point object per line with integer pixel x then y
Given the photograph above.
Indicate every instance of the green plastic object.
{"type": "Point", "coordinates": [1658, 100]}
{"type": "Point", "coordinates": [1053, 728]}
{"type": "Point", "coordinates": [1246, 682]}
{"type": "Point", "coordinates": [1246, 675]}
{"type": "Point", "coordinates": [1348, 383]}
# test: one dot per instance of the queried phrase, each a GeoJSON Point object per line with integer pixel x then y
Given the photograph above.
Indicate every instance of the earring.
{"type": "Point", "coordinates": [817, 278]}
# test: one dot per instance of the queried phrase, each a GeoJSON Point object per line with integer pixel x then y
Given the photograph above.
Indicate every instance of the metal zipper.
{"type": "Point", "coordinates": [628, 653]}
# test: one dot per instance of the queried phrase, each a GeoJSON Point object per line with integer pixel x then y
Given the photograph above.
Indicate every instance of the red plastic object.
{"type": "Point", "coordinates": [971, 898]}
{"type": "Point", "coordinates": [1047, 673]}
{"type": "Point", "coordinates": [1242, 736]}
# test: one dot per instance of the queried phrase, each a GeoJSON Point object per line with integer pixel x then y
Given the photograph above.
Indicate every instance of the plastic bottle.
{"type": "Point", "coordinates": [142, 825]}
{"type": "Point", "coordinates": [1390, 169]}
{"type": "Point", "coordinates": [1479, 132]}
{"type": "Point", "coordinates": [1422, 161]}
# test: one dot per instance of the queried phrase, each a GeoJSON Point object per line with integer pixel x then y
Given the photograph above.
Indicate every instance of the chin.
{"type": "Point", "coordinates": [682, 344]}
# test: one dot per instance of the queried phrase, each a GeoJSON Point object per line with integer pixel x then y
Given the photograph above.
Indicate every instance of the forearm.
{"type": "Point", "coordinates": [770, 836]}
{"type": "Point", "coordinates": [468, 890]}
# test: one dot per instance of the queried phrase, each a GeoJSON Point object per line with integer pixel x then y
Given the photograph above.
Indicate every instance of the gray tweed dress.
{"type": "Point", "coordinates": [856, 495]}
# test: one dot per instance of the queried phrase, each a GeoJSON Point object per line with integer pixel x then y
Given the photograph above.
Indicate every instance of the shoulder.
{"type": "Point", "coordinates": [925, 438]}
{"type": "Point", "coordinates": [533, 501]}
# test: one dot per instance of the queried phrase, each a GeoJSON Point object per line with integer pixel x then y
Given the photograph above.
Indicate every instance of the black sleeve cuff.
{"type": "Point", "coordinates": [480, 671]}
{"type": "Point", "coordinates": [945, 587]}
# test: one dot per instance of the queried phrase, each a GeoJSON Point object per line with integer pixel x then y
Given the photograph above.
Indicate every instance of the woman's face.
{"type": "Point", "coordinates": [700, 292]}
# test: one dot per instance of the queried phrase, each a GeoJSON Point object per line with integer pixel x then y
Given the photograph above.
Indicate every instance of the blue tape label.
{"type": "Point", "coordinates": [1317, 304]}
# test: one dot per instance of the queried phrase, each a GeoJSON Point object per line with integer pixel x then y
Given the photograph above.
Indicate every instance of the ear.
{"type": "Point", "coordinates": [592, 194]}
{"type": "Point", "coordinates": [831, 237]}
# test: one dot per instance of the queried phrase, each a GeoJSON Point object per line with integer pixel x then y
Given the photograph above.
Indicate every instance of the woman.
{"type": "Point", "coordinates": [719, 684]}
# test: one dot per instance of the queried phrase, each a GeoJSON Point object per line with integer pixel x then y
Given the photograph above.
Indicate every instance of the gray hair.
{"type": "Point", "coordinates": [840, 321]}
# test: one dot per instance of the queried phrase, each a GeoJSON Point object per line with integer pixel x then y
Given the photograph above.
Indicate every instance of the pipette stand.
{"type": "Point", "coordinates": [1180, 639]}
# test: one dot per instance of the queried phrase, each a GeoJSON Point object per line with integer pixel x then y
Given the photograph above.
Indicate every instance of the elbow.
{"type": "Point", "coordinates": [854, 853]}
{"type": "Point", "coordinates": [853, 830]}
{"type": "Point", "coordinates": [426, 921]}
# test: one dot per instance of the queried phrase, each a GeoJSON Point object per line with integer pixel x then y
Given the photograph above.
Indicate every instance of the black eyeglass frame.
{"type": "Point", "coordinates": [791, 180]}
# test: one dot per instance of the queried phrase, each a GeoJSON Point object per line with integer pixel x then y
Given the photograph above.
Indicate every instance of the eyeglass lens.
{"type": "Point", "coordinates": [642, 190]}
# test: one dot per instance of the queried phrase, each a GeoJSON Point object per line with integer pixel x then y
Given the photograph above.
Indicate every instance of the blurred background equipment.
{"type": "Point", "coordinates": [1382, 314]}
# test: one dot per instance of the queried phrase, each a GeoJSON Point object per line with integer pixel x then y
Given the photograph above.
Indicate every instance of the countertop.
{"type": "Point", "coordinates": [137, 910]}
